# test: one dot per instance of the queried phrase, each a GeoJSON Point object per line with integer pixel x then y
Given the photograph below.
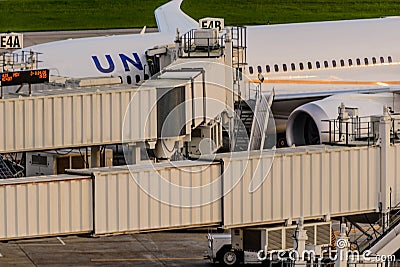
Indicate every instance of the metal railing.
{"type": "Point", "coordinates": [352, 129]}
{"type": "Point", "coordinates": [188, 45]}
{"type": "Point", "coordinates": [364, 129]}
{"type": "Point", "coordinates": [377, 230]}
{"type": "Point", "coordinates": [19, 60]}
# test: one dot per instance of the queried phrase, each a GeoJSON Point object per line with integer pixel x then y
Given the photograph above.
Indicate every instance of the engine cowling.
{"type": "Point", "coordinates": [305, 125]}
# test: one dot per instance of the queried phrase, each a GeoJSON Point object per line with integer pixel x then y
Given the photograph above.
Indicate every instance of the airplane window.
{"type": "Point", "coordinates": [358, 61]}
{"type": "Point", "coordinates": [366, 61]}
{"type": "Point", "coordinates": [342, 62]}
{"type": "Point", "coordinates": [374, 60]}
{"type": "Point", "coordinates": [350, 62]}
{"type": "Point", "coordinates": [284, 67]}
{"type": "Point", "coordinates": [259, 69]}
{"type": "Point", "coordinates": [276, 67]}
{"type": "Point", "coordinates": [390, 59]}
{"type": "Point", "coordinates": [334, 63]}
{"type": "Point", "coordinates": [318, 65]}
{"type": "Point", "coordinates": [251, 70]}
{"type": "Point", "coordinates": [293, 66]}
{"type": "Point", "coordinates": [382, 60]}
{"type": "Point", "coordinates": [309, 65]}
{"type": "Point", "coordinates": [128, 79]}
{"type": "Point", "coordinates": [326, 65]}
{"type": "Point", "coordinates": [120, 77]}
{"type": "Point", "coordinates": [268, 68]}
{"type": "Point", "coordinates": [301, 66]}
{"type": "Point", "coordinates": [137, 77]}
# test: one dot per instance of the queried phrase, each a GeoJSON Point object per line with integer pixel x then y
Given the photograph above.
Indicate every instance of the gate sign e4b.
{"type": "Point", "coordinates": [212, 23]}
{"type": "Point", "coordinates": [11, 41]}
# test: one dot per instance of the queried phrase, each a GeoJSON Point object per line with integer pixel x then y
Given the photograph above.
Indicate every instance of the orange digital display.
{"type": "Point", "coordinates": [24, 77]}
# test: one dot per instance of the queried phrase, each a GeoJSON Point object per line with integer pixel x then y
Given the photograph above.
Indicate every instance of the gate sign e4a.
{"type": "Point", "coordinates": [11, 41]}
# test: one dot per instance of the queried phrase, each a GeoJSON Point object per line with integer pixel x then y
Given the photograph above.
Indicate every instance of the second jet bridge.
{"type": "Point", "coordinates": [194, 102]}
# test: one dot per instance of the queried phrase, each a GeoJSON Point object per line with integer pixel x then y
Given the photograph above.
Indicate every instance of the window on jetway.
{"type": "Point", "coordinates": [309, 65]}
{"type": "Point", "coordinates": [128, 79]}
{"type": "Point", "coordinates": [284, 67]}
{"type": "Point", "coordinates": [137, 77]}
{"type": "Point", "coordinates": [350, 62]}
{"type": "Point", "coordinates": [276, 67]}
{"type": "Point", "coordinates": [358, 62]}
{"type": "Point", "coordinates": [293, 66]}
{"type": "Point", "coordinates": [334, 63]}
{"type": "Point", "coordinates": [251, 70]}
{"type": "Point", "coordinates": [268, 68]}
{"type": "Point", "coordinates": [342, 63]}
{"type": "Point", "coordinates": [301, 66]}
{"type": "Point", "coordinates": [326, 64]}
{"type": "Point", "coordinates": [259, 69]}
{"type": "Point", "coordinates": [366, 61]}
{"type": "Point", "coordinates": [318, 65]}
{"type": "Point", "coordinates": [382, 60]}
{"type": "Point", "coordinates": [390, 59]}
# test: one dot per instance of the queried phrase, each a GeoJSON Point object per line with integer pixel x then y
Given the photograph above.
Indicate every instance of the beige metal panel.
{"type": "Point", "coordinates": [302, 182]}
{"type": "Point", "coordinates": [122, 205]}
{"type": "Point", "coordinates": [394, 174]}
{"type": "Point", "coordinates": [81, 119]}
{"type": "Point", "coordinates": [44, 206]}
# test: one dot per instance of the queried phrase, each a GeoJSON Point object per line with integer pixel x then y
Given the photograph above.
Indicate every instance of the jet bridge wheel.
{"type": "Point", "coordinates": [228, 257]}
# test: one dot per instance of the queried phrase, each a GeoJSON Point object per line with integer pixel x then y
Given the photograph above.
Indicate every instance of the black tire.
{"type": "Point", "coordinates": [228, 257]}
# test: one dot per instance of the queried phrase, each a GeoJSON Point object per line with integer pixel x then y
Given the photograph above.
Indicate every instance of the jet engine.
{"type": "Point", "coordinates": [305, 125]}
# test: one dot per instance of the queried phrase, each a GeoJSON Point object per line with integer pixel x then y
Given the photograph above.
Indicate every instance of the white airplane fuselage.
{"type": "Point", "coordinates": [358, 47]}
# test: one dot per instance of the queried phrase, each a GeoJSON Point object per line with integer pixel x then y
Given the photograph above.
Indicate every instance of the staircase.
{"type": "Point", "coordinates": [378, 239]}
{"type": "Point", "coordinates": [8, 170]}
{"type": "Point", "coordinates": [251, 122]}
{"type": "Point", "coordinates": [243, 124]}
{"type": "Point", "coordinates": [260, 121]}
{"type": "Point", "coordinates": [5, 171]}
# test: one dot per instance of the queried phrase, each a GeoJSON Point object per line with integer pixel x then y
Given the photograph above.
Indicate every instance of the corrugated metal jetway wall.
{"type": "Point", "coordinates": [309, 182]}
{"type": "Point", "coordinates": [45, 206]}
{"type": "Point", "coordinates": [393, 181]}
{"type": "Point", "coordinates": [122, 205]}
{"type": "Point", "coordinates": [73, 120]}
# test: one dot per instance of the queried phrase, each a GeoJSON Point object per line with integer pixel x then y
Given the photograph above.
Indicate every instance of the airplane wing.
{"type": "Point", "coordinates": [170, 17]}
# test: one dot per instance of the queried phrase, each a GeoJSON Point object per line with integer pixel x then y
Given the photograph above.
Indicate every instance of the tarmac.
{"type": "Point", "coordinates": [183, 248]}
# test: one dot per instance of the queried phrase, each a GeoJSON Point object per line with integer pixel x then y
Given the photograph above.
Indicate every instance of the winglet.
{"type": "Point", "coordinates": [169, 17]}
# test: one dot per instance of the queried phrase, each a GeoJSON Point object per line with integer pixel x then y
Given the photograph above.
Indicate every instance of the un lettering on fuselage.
{"type": "Point", "coordinates": [125, 60]}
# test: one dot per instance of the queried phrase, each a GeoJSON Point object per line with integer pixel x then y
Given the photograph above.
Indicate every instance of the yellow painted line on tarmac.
{"type": "Point", "coordinates": [144, 259]}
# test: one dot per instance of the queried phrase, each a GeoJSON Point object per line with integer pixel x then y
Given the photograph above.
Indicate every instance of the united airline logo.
{"type": "Point", "coordinates": [107, 64]}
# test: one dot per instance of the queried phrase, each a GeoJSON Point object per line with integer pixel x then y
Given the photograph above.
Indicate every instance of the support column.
{"type": "Point", "coordinates": [342, 246]}
{"type": "Point", "coordinates": [300, 240]}
{"type": "Point", "coordinates": [387, 176]}
{"type": "Point", "coordinates": [95, 157]}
